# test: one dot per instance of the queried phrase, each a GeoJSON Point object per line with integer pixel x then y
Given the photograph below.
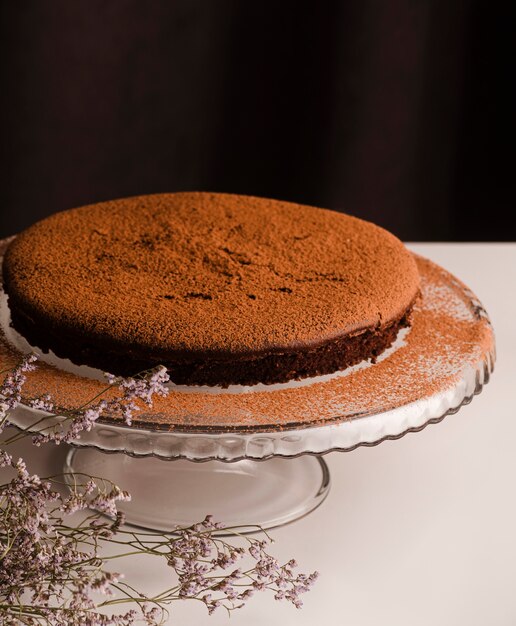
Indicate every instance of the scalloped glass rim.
{"type": "Point", "coordinates": [344, 436]}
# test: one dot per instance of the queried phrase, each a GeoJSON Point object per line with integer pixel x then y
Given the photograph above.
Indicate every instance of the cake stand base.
{"type": "Point", "coordinates": [167, 494]}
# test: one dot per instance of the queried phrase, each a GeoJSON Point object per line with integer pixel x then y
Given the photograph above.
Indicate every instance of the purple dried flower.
{"type": "Point", "coordinates": [59, 566]}
{"type": "Point", "coordinates": [43, 403]}
{"type": "Point", "coordinates": [143, 388]}
{"type": "Point", "coordinates": [10, 389]}
{"type": "Point", "coordinates": [74, 422]}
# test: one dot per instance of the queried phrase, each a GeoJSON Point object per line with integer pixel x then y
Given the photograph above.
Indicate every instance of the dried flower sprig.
{"type": "Point", "coordinates": [10, 390]}
{"type": "Point", "coordinates": [52, 572]}
{"type": "Point", "coordinates": [74, 421]}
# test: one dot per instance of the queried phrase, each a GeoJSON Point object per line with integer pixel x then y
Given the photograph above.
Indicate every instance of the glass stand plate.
{"type": "Point", "coordinates": [248, 454]}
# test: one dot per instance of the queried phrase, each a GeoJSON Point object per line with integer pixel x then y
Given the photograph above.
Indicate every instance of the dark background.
{"type": "Point", "coordinates": [399, 111]}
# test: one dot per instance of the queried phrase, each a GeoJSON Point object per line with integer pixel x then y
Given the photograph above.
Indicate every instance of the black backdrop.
{"type": "Point", "coordinates": [397, 111]}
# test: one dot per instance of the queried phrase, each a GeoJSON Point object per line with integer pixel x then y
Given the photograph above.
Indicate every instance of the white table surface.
{"type": "Point", "coordinates": [415, 532]}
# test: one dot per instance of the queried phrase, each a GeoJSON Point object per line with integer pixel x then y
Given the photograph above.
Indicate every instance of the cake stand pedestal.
{"type": "Point", "coordinates": [179, 493]}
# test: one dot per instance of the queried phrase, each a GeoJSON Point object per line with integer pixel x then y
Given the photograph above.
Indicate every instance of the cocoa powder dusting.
{"type": "Point", "coordinates": [207, 275]}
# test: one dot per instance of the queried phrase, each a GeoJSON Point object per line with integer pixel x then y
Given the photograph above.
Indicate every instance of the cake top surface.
{"type": "Point", "coordinates": [209, 273]}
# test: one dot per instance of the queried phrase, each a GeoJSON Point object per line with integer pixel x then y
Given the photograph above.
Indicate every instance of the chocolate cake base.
{"type": "Point", "coordinates": [275, 367]}
{"type": "Point", "coordinates": [219, 288]}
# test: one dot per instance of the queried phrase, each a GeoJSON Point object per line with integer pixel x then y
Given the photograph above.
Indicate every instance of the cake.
{"type": "Point", "coordinates": [221, 289]}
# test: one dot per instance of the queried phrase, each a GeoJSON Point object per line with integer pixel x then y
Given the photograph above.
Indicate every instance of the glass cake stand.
{"type": "Point", "coordinates": [253, 455]}
{"type": "Point", "coordinates": [267, 478]}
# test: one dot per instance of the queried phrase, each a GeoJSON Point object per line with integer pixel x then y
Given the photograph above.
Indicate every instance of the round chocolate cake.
{"type": "Point", "coordinates": [221, 289]}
